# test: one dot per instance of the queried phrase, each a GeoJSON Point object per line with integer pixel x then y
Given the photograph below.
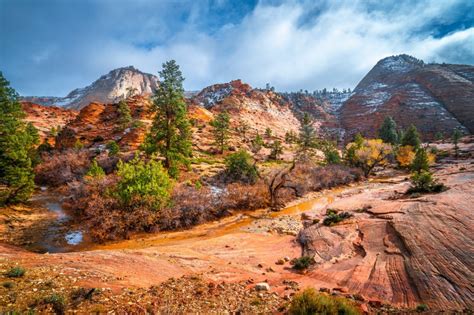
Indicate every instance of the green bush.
{"type": "Point", "coordinates": [311, 302]}
{"type": "Point", "coordinates": [241, 167]}
{"type": "Point", "coordinates": [421, 308]}
{"type": "Point", "coordinates": [113, 148]}
{"type": "Point", "coordinates": [16, 272]}
{"type": "Point", "coordinates": [423, 182]}
{"type": "Point", "coordinates": [302, 263]}
{"type": "Point", "coordinates": [143, 183]}
{"type": "Point", "coordinates": [331, 156]}
{"type": "Point", "coordinates": [95, 171]}
{"type": "Point", "coordinates": [333, 217]}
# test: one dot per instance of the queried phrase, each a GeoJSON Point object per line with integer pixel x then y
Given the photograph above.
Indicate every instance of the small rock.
{"type": "Point", "coordinates": [326, 290]}
{"type": "Point", "coordinates": [262, 286]}
{"type": "Point", "coordinates": [280, 262]}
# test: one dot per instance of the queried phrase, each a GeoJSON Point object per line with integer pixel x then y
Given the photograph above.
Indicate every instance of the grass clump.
{"type": "Point", "coordinates": [302, 263]}
{"type": "Point", "coordinates": [8, 284]}
{"type": "Point", "coordinates": [57, 301]}
{"type": "Point", "coordinates": [16, 272]}
{"type": "Point", "coordinates": [311, 302]}
{"type": "Point", "coordinates": [333, 217]}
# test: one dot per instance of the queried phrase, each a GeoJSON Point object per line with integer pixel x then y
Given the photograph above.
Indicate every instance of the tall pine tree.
{"type": "Point", "coordinates": [388, 131]}
{"type": "Point", "coordinates": [307, 138]}
{"type": "Point", "coordinates": [221, 126]}
{"type": "Point", "coordinates": [125, 116]}
{"type": "Point", "coordinates": [17, 147]}
{"type": "Point", "coordinates": [411, 137]}
{"type": "Point", "coordinates": [170, 134]}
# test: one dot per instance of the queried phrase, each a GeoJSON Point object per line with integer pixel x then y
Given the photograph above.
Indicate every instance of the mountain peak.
{"type": "Point", "coordinates": [109, 88]}
{"type": "Point", "coordinates": [401, 63]}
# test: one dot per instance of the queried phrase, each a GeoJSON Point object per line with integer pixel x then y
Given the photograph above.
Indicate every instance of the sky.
{"type": "Point", "coordinates": [51, 47]}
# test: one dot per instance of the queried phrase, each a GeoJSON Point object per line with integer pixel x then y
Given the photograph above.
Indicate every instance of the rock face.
{"type": "Point", "coordinates": [259, 109]}
{"type": "Point", "coordinates": [110, 88]}
{"type": "Point", "coordinates": [44, 118]}
{"type": "Point", "coordinates": [435, 98]}
{"type": "Point", "coordinates": [401, 251]}
{"type": "Point", "coordinates": [97, 124]}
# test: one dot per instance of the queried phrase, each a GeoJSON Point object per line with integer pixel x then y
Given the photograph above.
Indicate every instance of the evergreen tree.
{"type": "Point", "coordinates": [268, 132]}
{"type": "Point", "coordinates": [421, 161]}
{"type": "Point", "coordinates": [221, 126]}
{"type": "Point", "coordinates": [170, 134]}
{"type": "Point", "coordinates": [257, 144]}
{"type": "Point", "coordinates": [125, 116]}
{"type": "Point", "coordinates": [411, 137]}
{"type": "Point", "coordinates": [113, 148]}
{"type": "Point", "coordinates": [307, 137]}
{"type": "Point", "coordinates": [388, 131]}
{"type": "Point", "coordinates": [276, 150]}
{"type": "Point", "coordinates": [456, 136]}
{"type": "Point", "coordinates": [17, 147]}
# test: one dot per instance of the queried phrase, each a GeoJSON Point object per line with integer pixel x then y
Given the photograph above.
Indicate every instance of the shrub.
{"type": "Point", "coordinates": [8, 285]}
{"type": "Point", "coordinates": [62, 167]}
{"type": "Point", "coordinates": [423, 182]}
{"type": "Point", "coordinates": [95, 171]}
{"type": "Point", "coordinates": [143, 184]}
{"type": "Point", "coordinates": [16, 272]}
{"type": "Point", "coordinates": [240, 166]}
{"type": "Point", "coordinates": [333, 217]}
{"type": "Point", "coordinates": [302, 263]}
{"type": "Point", "coordinates": [405, 156]}
{"type": "Point", "coordinates": [421, 308]}
{"type": "Point", "coordinates": [331, 156]}
{"type": "Point", "coordinates": [57, 301]}
{"type": "Point", "coordinates": [311, 302]}
{"type": "Point", "coordinates": [113, 148]}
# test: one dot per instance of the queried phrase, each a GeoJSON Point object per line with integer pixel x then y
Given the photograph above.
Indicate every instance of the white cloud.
{"type": "Point", "coordinates": [337, 50]}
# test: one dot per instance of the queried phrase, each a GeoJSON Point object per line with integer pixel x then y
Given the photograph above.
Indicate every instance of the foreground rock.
{"type": "Point", "coordinates": [404, 251]}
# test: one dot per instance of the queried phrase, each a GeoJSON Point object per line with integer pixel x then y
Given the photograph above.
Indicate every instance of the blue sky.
{"type": "Point", "coordinates": [50, 47]}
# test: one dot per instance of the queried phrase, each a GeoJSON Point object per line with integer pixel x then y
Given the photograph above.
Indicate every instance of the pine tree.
{"type": "Point", "coordinates": [411, 137]}
{"type": "Point", "coordinates": [170, 134]}
{"type": "Point", "coordinates": [307, 137]}
{"type": "Point", "coordinates": [221, 126]}
{"type": "Point", "coordinates": [125, 116]}
{"type": "Point", "coordinates": [456, 136]}
{"type": "Point", "coordinates": [268, 132]}
{"type": "Point", "coordinates": [17, 147]}
{"type": "Point", "coordinates": [421, 161]}
{"type": "Point", "coordinates": [388, 131]}
{"type": "Point", "coordinates": [276, 150]}
{"type": "Point", "coordinates": [257, 144]}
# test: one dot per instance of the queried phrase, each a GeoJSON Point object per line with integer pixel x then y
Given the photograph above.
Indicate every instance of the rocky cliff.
{"type": "Point", "coordinates": [435, 98]}
{"type": "Point", "coordinates": [109, 88]}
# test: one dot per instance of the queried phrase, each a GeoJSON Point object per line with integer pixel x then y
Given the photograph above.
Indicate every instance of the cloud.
{"type": "Point", "coordinates": [291, 44]}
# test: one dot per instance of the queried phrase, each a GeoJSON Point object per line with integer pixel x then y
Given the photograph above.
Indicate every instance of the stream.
{"type": "Point", "coordinates": [62, 235]}
{"type": "Point", "coordinates": [59, 234]}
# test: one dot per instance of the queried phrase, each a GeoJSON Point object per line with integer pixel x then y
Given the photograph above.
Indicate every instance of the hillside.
{"type": "Point", "coordinates": [435, 98]}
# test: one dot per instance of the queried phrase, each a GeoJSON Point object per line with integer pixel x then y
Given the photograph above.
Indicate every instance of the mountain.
{"type": "Point", "coordinates": [433, 97]}
{"type": "Point", "coordinates": [109, 88]}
